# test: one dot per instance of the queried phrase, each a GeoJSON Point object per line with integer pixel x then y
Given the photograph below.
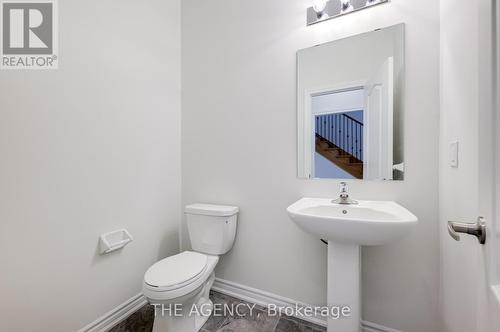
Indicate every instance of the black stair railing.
{"type": "Point", "coordinates": [343, 131]}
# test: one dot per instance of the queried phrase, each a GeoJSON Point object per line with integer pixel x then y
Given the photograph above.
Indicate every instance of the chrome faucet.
{"type": "Point", "coordinates": [344, 196]}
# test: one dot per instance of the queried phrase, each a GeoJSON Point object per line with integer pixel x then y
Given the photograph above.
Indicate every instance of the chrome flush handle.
{"type": "Point", "coordinates": [478, 229]}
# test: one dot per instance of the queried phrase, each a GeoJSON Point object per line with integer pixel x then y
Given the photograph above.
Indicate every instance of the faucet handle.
{"type": "Point", "coordinates": [344, 195]}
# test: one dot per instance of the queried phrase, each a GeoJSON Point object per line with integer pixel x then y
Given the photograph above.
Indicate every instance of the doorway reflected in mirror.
{"type": "Point", "coordinates": [339, 134]}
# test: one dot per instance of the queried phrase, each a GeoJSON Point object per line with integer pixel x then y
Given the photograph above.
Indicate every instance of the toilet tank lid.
{"type": "Point", "coordinates": [211, 210]}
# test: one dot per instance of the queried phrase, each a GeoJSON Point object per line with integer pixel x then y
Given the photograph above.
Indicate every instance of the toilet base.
{"type": "Point", "coordinates": [182, 324]}
{"type": "Point", "coordinates": [200, 320]}
{"type": "Point", "coordinates": [195, 310]}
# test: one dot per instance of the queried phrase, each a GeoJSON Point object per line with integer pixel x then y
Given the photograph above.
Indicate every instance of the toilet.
{"type": "Point", "coordinates": [178, 286]}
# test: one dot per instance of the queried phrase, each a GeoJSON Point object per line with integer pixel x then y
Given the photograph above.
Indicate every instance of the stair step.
{"type": "Point", "coordinates": [340, 157]}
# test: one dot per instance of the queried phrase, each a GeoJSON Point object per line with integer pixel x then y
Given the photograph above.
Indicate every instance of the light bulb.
{"type": "Point", "coordinates": [319, 6]}
{"type": "Point", "coordinates": [346, 6]}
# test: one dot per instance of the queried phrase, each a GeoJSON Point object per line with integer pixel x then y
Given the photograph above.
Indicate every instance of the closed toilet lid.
{"type": "Point", "coordinates": [177, 269]}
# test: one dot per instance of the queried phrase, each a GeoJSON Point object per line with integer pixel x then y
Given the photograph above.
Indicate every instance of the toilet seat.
{"type": "Point", "coordinates": [176, 271]}
{"type": "Point", "coordinates": [178, 275]}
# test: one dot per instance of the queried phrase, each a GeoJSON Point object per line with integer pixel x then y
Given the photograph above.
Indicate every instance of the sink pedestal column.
{"type": "Point", "coordinates": [344, 285]}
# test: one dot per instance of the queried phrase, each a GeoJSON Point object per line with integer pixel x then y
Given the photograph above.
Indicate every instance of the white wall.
{"type": "Point", "coordinates": [91, 147]}
{"type": "Point", "coordinates": [239, 147]}
{"type": "Point", "coordinates": [325, 169]}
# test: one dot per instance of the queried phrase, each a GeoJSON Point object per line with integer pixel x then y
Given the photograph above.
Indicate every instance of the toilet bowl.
{"type": "Point", "coordinates": [179, 286]}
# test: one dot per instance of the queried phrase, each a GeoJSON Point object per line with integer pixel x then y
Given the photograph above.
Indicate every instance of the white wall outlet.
{"type": "Point", "coordinates": [454, 154]}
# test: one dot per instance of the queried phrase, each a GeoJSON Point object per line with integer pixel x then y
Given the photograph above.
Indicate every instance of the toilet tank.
{"type": "Point", "coordinates": [212, 228]}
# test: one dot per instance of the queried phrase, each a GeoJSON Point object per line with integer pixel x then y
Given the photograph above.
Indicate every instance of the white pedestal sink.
{"type": "Point", "coordinates": [347, 227]}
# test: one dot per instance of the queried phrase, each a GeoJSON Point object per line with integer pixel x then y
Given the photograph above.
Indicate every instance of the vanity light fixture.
{"type": "Point", "coordinates": [319, 7]}
{"type": "Point", "coordinates": [322, 10]}
{"type": "Point", "coordinates": [346, 6]}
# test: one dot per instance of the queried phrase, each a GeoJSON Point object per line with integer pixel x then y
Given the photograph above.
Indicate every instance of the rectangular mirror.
{"type": "Point", "coordinates": [350, 107]}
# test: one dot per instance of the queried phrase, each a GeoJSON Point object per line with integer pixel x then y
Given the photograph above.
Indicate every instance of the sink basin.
{"type": "Point", "coordinates": [347, 227]}
{"type": "Point", "coordinates": [367, 223]}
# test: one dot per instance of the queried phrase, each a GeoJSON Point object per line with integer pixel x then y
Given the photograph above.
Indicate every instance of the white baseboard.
{"type": "Point", "coordinates": [245, 293]}
{"type": "Point", "coordinates": [264, 298]}
{"type": "Point", "coordinates": [261, 297]}
{"type": "Point", "coordinates": [117, 315]}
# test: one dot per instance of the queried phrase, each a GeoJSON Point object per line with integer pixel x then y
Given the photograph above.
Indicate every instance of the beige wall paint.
{"type": "Point", "coordinates": [89, 148]}
{"type": "Point", "coordinates": [239, 147]}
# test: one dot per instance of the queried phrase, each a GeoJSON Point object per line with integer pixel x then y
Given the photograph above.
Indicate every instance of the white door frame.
{"type": "Point", "coordinates": [379, 165]}
{"type": "Point", "coordinates": [489, 163]}
{"type": "Point", "coordinates": [305, 124]}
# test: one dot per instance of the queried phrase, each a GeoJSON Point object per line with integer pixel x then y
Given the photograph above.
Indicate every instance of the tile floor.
{"type": "Point", "coordinates": [256, 320]}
